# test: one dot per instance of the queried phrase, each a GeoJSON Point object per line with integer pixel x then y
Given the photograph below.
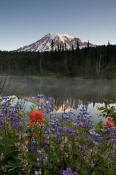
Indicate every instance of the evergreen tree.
{"type": "Point", "coordinates": [65, 47]}
{"type": "Point", "coordinates": [88, 44]}
{"type": "Point", "coordinates": [52, 45]}
{"type": "Point", "coordinates": [72, 47]}
{"type": "Point", "coordinates": [77, 48]}
{"type": "Point", "coordinates": [109, 43]}
{"type": "Point", "coordinates": [60, 47]}
{"type": "Point", "coordinates": [97, 62]}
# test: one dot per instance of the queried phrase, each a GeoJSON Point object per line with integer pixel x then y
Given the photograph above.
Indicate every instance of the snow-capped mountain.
{"type": "Point", "coordinates": [53, 41]}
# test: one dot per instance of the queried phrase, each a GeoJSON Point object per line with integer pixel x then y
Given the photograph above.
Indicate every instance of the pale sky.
{"type": "Point", "coordinates": [23, 22]}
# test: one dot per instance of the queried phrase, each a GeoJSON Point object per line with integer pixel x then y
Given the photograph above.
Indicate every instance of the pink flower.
{"type": "Point", "coordinates": [81, 124]}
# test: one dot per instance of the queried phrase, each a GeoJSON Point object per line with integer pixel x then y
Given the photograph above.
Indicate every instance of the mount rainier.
{"type": "Point", "coordinates": [53, 41]}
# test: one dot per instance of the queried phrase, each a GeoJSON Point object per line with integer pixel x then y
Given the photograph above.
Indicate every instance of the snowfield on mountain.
{"type": "Point", "coordinates": [53, 41]}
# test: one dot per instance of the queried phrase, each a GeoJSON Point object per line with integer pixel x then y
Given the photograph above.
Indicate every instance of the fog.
{"type": "Point", "coordinates": [73, 91]}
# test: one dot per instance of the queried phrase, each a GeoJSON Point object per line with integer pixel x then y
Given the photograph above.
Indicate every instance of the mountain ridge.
{"type": "Point", "coordinates": [55, 41]}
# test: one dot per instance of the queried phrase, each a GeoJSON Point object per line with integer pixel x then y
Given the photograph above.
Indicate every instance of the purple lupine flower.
{"type": "Point", "coordinates": [99, 139]}
{"type": "Point", "coordinates": [65, 128]}
{"type": "Point", "coordinates": [22, 132]}
{"type": "Point", "coordinates": [48, 108]}
{"type": "Point", "coordinates": [17, 135]}
{"type": "Point", "coordinates": [50, 99]}
{"type": "Point", "coordinates": [95, 143]}
{"type": "Point", "coordinates": [103, 130]}
{"type": "Point", "coordinates": [83, 118]}
{"type": "Point", "coordinates": [92, 132]}
{"type": "Point", "coordinates": [38, 143]}
{"type": "Point", "coordinates": [115, 167]}
{"type": "Point", "coordinates": [84, 147]}
{"type": "Point", "coordinates": [90, 139]}
{"type": "Point", "coordinates": [76, 131]}
{"type": "Point", "coordinates": [32, 148]}
{"type": "Point", "coordinates": [75, 173]}
{"type": "Point", "coordinates": [112, 129]}
{"type": "Point", "coordinates": [24, 123]}
{"type": "Point", "coordinates": [41, 96]}
{"type": "Point", "coordinates": [68, 171]}
{"type": "Point", "coordinates": [5, 97]}
{"type": "Point", "coordinates": [15, 125]}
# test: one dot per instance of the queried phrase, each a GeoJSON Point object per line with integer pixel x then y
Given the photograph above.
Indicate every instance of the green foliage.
{"type": "Point", "coordinates": [108, 111]}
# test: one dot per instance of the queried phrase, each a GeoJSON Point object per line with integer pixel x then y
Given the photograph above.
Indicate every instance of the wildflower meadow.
{"type": "Point", "coordinates": [42, 143]}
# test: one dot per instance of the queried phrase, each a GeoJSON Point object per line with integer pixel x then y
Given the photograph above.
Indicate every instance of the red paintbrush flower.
{"type": "Point", "coordinates": [35, 134]}
{"type": "Point", "coordinates": [109, 124]}
{"type": "Point", "coordinates": [110, 118]}
{"type": "Point", "coordinates": [41, 121]}
{"type": "Point", "coordinates": [32, 116]}
{"type": "Point", "coordinates": [37, 116]}
{"type": "Point", "coordinates": [31, 124]}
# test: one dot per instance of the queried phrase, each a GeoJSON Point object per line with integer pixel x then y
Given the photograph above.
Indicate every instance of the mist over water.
{"type": "Point", "coordinates": [69, 92]}
{"type": "Point", "coordinates": [65, 90]}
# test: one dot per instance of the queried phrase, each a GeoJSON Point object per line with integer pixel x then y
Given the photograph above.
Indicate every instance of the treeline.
{"type": "Point", "coordinates": [90, 62]}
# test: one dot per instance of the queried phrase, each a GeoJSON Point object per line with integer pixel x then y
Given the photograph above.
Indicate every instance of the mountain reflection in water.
{"type": "Point", "coordinates": [69, 91]}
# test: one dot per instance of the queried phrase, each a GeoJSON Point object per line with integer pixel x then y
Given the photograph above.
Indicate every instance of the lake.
{"type": "Point", "coordinates": [72, 92]}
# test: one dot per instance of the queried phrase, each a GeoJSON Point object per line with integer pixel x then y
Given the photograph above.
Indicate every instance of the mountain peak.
{"type": "Point", "coordinates": [60, 36]}
{"type": "Point", "coordinates": [65, 41]}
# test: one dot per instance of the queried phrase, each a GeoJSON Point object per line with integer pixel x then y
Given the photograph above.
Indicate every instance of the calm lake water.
{"type": "Point", "coordinates": [71, 91]}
